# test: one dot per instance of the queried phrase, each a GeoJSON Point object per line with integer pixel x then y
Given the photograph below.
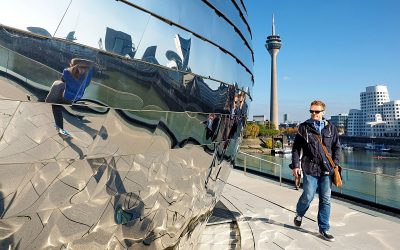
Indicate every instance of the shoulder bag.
{"type": "Point", "coordinates": [337, 178]}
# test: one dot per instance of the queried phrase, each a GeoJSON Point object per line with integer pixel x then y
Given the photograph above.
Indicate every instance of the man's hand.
{"type": "Point", "coordinates": [296, 172]}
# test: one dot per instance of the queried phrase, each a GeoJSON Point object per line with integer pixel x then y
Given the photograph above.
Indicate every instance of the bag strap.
{"type": "Point", "coordinates": [326, 151]}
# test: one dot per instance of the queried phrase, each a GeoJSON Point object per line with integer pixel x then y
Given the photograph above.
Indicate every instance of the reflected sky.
{"type": "Point", "coordinates": [52, 10]}
{"type": "Point", "coordinates": [90, 27]}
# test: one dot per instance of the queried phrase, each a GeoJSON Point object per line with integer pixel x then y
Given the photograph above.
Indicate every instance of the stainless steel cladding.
{"type": "Point", "coordinates": [119, 120]}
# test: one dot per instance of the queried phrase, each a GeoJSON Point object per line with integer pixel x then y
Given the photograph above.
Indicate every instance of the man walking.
{"type": "Point", "coordinates": [317, 172]}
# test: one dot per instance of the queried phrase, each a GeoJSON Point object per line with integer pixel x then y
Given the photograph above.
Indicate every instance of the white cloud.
{"type": "Point", "coordinates": [286, 78]}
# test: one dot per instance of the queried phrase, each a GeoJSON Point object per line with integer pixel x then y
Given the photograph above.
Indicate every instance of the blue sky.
{"type": "Point", "coordinates": [332, 50]}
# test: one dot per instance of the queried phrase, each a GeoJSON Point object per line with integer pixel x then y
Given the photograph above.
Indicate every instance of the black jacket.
{"type": "Point", "coordinates": [314, 162]}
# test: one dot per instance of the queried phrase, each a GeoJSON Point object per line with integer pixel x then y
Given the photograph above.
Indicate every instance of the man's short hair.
{"type": "Point", "coordinates": [318, 103]}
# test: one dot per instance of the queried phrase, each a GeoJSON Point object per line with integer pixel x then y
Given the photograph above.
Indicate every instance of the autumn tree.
{"type": "Point", "coordinates": [252, 130]}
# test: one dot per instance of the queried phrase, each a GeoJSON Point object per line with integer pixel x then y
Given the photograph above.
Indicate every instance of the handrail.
{"type": "Point", "coordinates": [348, 169]}
{"type": "Point", "coordinates": [371, 173]}
{"type": "Point", "coordinates": [273, 163]}
{"type": "Point", "coordinates": [350, 190]}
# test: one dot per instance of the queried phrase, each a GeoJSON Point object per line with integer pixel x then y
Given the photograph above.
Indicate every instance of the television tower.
{"type": "Point", "coordinates": [273, 44]}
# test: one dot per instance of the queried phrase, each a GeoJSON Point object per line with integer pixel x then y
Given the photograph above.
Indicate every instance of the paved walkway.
{"type": "Point", "coordinates": [264, 212]}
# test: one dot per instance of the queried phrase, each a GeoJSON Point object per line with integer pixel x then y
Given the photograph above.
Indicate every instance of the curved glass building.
{"type": "Point", "coordinates": [119, 120]}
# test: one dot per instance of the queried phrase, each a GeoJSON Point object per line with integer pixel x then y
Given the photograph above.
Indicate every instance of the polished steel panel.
{"type": "Point", "coordinates": [169, 9]}
{"type": "Point", "coordinates": [196, 16]}
{"type": "Point", "coordinates": [232, 13]}
{"type": "Point", "coordinates": [155, 46]}
{"type": "Point", "coordinates": [44, 14]}
{"type": "Point", "coordinates": [147, 149]}
{"type": "Point", "coordinates": [121, 37]}
{"type": "Point", "coordinates": [121, 183]}
{"type": "Point", "coordinates": [139, 84]}
{"type": "Point", "coordinates": [223, 33]}
{"type": "Point", "coordinates": [241, 7]}
{"type": "Point", "coordinates": [98, 28]}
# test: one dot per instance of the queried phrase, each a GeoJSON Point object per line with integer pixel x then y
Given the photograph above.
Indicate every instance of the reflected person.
{"type": "Point", "coordinates": [317, 172]}
{"type": "Point", "coordinates": [211, 123]}
{"type": "Point", "coordinates": [242, 113]}
{"type": "Point", "coordinates": [235, 117]}
{"type": "Point", "coordinates": [70, 89]}
{"type": "Point", "coordinates": [230, 120]}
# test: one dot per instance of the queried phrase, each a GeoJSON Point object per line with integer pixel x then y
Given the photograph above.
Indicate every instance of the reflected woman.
{"type": "Point", "coordinates": [69, 89]}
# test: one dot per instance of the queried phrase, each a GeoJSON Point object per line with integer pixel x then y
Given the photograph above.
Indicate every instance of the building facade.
{"type": "Point", "coordinates": [378, 116]}
{"type": "Point", "coordinates": [151, 141]}
{"type": "Point", "coordinates": [259, 119]}
{"type": "Point", "coordinates": [285, 118]}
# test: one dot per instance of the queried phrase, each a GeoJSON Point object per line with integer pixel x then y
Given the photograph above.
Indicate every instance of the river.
{"type": "Point", "coordinates": [364, 160]}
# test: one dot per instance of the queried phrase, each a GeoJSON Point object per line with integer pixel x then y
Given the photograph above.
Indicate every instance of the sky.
{"type": "Point", "coordinates": [331, 50]}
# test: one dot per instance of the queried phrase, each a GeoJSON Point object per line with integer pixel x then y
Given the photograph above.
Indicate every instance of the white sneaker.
{"type": "Point", "coordinates": [64, 133]}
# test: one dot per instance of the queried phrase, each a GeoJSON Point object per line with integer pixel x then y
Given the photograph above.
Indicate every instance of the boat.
{"type": "Point", "coordinates": [377, 147]}
{"type": "Point", "coordinates": [284, 150]}
{"type": "Point", "coordinates": [140, 169]}
{"type": "Point", "coordinates": [346, 147]}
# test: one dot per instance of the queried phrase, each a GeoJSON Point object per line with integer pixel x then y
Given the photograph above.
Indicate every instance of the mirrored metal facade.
{"type": "Point", "coordinates": [119, 120]}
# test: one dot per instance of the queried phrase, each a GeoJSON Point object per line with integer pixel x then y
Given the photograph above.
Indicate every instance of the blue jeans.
{"type": "Point", "coordinates": [310, 185]}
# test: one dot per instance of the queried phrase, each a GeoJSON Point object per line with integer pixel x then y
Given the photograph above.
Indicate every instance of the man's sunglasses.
{"type": "Point", "coordinates": [316, 111]}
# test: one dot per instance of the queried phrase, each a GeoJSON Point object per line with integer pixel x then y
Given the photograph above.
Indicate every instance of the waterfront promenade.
{"type": "Point", "coordinates": [264, 213]}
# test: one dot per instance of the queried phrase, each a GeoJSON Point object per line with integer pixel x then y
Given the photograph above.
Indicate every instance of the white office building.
{"type": "Point", "coordinates": [378, 116]}
{"type": "Point", "coordinates": [259, 119]}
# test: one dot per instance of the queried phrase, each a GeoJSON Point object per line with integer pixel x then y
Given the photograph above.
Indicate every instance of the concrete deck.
{"type": "Point", "coordinates": [264, 212]}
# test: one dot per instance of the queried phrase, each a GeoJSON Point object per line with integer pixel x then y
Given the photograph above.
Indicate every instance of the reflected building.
{"type": "Point", "coordinates": [119, 43]}
{"type": "Point", "coordinates": [180, 58]}
{"type": "Point", "coordinates": [183, 48]}
{"type": "Point", "coordinates": [39, 31]}
{"type": "Point", "coordinates": [153, 138]}
{"type": "Point", "coordinates": [71, 36]}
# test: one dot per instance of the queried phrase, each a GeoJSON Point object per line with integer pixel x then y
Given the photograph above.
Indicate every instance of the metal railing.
{"type": "Point", "coordinates": [260, 168]}
{"type": "Point", "coordinates": [380, 189]}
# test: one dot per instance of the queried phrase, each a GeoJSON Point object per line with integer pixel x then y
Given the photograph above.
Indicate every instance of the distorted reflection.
{"type": "Point", "coordinates": [119, 134]}
{"type": "Point", "coordinates": [119, 43]}
{"type": "Point", "coordinates": [181, 58]}
{"type": "Point", "coordinates": [212, 124]}
{"type": "Point", "coordinates": [242, 111]}
{"type": "Point", "coordinates": [39, 31]}
{"type": "Point", "coordinates": [70, 89]}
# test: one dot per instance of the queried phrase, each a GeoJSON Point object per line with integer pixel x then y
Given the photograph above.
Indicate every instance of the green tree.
{"type": "Point", "coordinates": [278, 144]}
{"type": "Point", "coordinates": [272, 132]}
{"type": "Point", "coordinates": [262, 130]}
{"type": "Point", "coordinates": [270, 125]}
